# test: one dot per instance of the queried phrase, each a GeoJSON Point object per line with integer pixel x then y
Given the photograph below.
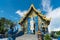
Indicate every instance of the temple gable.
{"type": "Point", "coordinates": [34, 21]}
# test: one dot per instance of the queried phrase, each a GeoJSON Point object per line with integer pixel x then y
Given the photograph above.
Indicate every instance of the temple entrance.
{"type": "Point", "coordinates": [32, 25]}
{"type": "Point", "coordinates": [34, 29]}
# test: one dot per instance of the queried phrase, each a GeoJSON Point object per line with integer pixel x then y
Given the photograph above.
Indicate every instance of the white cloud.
{"type": "Point", "coordinates": [55, 20]}
{"type": "Point", "coordinates": [46, 6]}
{"type": "Point", "coordinates": [53, 14]}
{"type": "Point", "coordinates": [21, 13]}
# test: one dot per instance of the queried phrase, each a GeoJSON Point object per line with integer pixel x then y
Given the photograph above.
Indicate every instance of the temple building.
{"type": "Point", "coordinates": [33, 21]}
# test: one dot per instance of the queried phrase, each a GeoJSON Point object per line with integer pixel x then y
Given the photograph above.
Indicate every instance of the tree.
{"type": "Point", "coordinates": [58, 32]}
{"type": "Point", "coordinates": [5, 24]}
{"type": "Point", "coordinates": [47, 37]}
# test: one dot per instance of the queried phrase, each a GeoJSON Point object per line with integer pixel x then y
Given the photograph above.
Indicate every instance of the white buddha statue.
{"type": "Point", "coordinates": [32, 24]}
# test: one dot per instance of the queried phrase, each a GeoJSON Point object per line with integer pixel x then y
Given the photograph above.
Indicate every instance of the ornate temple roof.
{"type": "Point", "coordinates": [37, 12]}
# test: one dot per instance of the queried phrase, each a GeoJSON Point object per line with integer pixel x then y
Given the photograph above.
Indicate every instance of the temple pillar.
{"type": "Point", "coordinates": [39, 34]}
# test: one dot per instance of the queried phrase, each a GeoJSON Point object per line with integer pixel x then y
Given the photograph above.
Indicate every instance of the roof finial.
{"type": "Point", "coordinates": [32, 5]}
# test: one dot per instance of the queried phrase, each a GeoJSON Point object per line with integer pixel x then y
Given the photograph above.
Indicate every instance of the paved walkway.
{"type": "Point", "coordinates": [27, 37]}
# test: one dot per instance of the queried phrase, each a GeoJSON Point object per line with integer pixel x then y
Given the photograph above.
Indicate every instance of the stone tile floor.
{"type": "Point", "coordinates": [27, 37]}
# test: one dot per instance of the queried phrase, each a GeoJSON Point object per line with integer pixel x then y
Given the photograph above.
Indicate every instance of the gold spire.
{"type": "Point", "coordinates": [32, 5]}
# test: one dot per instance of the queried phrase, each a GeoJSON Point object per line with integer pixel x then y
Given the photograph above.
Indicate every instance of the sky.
{"type": "Point", "coordinates": [15, 9]}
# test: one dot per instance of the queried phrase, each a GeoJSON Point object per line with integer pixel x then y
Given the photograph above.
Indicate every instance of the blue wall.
{"type": "Point", "coordinates": [36, 24]}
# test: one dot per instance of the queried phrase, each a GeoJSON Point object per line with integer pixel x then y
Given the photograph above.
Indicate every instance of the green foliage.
{"type": "Point", "coordinates": [47, 37]}
{"type": "Point", "coordinates": [55, 34]}
{"type": "Point", "coordinates": [58, 32]}
{"type": "Point", "coordinates": [5, 24]}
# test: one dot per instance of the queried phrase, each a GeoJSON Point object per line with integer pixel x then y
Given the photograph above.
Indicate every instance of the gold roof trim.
{"type": "Point", "coordinates": [39, 13]}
